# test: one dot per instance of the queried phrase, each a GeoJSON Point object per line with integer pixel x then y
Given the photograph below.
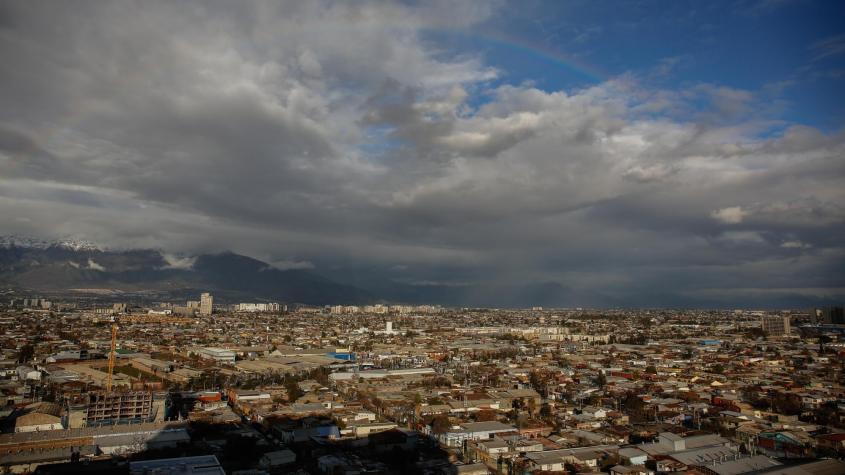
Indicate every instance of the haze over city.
{"type": "Point", "coordinates": [651, 154]}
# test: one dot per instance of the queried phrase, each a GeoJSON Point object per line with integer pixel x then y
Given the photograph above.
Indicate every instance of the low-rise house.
{"type": "Point", "coordinates": [363, 429]}
{"type": "Point", "coordinates": [785, 444]}
{"type": "Point", "coordinates": [493, 447]}
{"type": "Point", "coordinates": [631, 470]}
{"type": "Point", "coordinates": [833, 442]}
{"type": "Point", "coordinates": [277, 458]}
{"type": "Point", "coordinates": [632, 456]}
{"type": "Point", "coordinates": [455, 436]}
{"type": "Point", "coordinates": [584, 459]}
{"type": "Point", "coordinates": [388, 441]}
{"type": "Point", "coordinates": [237, 396]}
{"type": "Point", "coordinates": [37, 421]}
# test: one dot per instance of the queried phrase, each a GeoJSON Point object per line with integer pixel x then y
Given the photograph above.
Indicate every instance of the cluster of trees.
{"type": "Point", "coordinates": [212, 379]}
{"type": "Point", "coordinates": [828, 414]}
{"type": "Point", "coordinates": [634, 406]}
{"type": "Point", "coordinates": [434, 382]}
{"type": "Point", "coordinates": [26, 353]}
{"type": "Point", "coordinates": [541, 380]}
{"type": "Point", "coordinates": [601, 379]}
{"type": "Point", "coordinates": [783, 403]}
{"type": "Point", "coordinates": [510, 337]}
{"type": "Point", "coordinates": [638, 339]}
{"type": "Point", "coordinates": [789, 404]}
{"type": "Point", "coordinates": [293, 390]}
{"type": "Point", "coordinates": [440, 424]}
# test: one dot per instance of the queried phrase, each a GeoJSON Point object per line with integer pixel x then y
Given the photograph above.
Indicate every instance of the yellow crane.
{"type": "Point", "coordinates": [111, 356]}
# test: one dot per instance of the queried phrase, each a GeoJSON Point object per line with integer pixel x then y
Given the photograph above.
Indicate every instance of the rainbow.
{"type": "Point", "coordinates": [535, 49]}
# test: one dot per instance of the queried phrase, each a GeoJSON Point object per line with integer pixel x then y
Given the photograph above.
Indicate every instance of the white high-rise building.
{"type": "Point", "coordinates": [257, 307]}
{"type": "Point", "coordinates": [206, 303]}
{"type": "Point", "coordinates": [775, 325]}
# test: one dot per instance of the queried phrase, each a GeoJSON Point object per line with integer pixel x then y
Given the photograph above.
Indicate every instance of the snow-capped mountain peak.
{"type": "Point", "coordinates": [74, 244]}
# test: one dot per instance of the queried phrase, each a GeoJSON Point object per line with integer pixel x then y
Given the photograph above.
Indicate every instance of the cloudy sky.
{"type": "Point", "coordinates": [638, 153]}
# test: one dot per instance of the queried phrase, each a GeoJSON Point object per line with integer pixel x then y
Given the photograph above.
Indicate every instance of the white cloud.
{"type": "Point", "coordinates": [178, 262]}
{"type": "Point", "coordinates": [729, 215]}
{"type": "Point", "coordinates": [649, 173]}
{"type": "Point", "coordinates": [742, 237]}
{"type": "Point", "coordinates": [795, 245]}
{"type": "Point", "coordinates": [292, 265]}
{"type": "Point", "coordinates": [94, 266]}
{"type": "Point", "coordinates": [831, 46]}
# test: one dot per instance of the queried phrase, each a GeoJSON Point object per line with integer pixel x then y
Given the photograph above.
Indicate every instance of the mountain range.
{"type": "Point", "coordinates": [54, 266]}
{"type": "Point", "coordinates": [39, 267]}
{"type": "Point", "coordinates": [36, 266]}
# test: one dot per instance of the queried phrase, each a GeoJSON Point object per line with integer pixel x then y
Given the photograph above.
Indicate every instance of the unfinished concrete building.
{"type": "Point", "coordinates": [101, 408]}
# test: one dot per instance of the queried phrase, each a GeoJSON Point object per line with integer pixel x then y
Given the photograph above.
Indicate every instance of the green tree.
{"type": "Point", "coordinates": [545, 411]}
{"type": "Point", "coordinates": [440, 424]}
{"type": "Point", "coordinates": [26, 353]}
{"type": "Point", "coordinates": [537, 382]}
{"type": "Point", "coordinates": [789, 404]}
{"type": "Point", "coordinates": [822, 340]}
{"type": "Point", "coordinates": [293, 390]}
{"type": "Point", "coordinates": [485, 415]}
{"type": "Point", "coordinates": [601, 380]}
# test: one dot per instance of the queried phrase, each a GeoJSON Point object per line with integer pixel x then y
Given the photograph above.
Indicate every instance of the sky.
{"type": "Point", "coordinates": [574, 153]}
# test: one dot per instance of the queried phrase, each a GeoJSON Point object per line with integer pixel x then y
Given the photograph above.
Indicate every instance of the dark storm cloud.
{"type": "Point", "coordinates": [330, 135]}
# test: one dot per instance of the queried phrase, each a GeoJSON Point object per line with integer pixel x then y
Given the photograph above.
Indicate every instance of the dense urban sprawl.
{"type": "Point", "coordinates": [271, 388]}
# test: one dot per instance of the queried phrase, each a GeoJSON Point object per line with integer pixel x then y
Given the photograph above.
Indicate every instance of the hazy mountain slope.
{"type": "Point", "coordinates": [56, 267]}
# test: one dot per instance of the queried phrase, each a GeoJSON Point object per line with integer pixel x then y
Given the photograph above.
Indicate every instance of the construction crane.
{"type": "Point", "coordinates": [111, 356]}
